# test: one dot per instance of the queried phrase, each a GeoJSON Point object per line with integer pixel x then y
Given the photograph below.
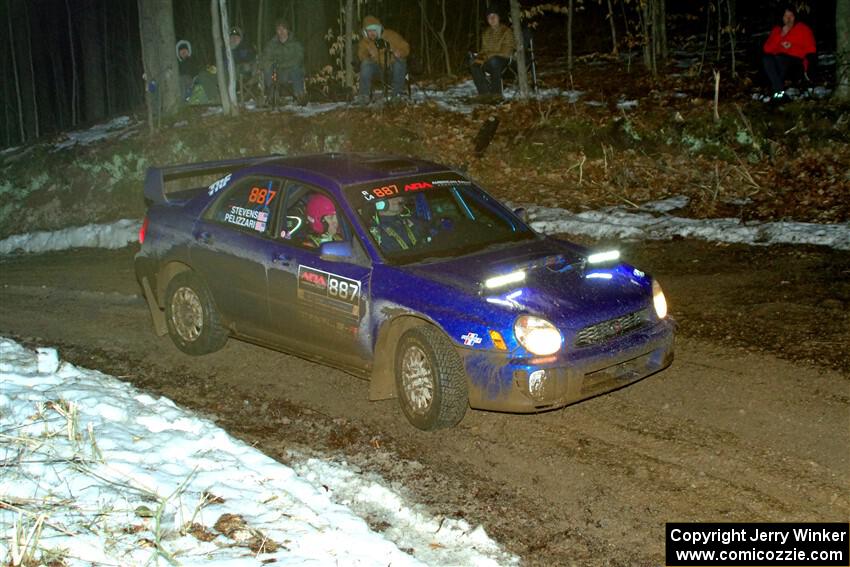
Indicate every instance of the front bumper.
{"type": "Point", "coordinates": [526, 385]}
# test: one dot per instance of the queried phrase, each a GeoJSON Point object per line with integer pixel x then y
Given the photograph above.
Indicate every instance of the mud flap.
{"type": "Point", "coordinates": [157, 315]}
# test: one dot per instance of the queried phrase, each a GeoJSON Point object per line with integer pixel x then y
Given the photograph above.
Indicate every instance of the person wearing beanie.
{"type": "Point", "coordinates": [381, 50]}
{"type": "Point", "coordinates": [242, 52]}
{"type": "Point", "coordinates": [497, 47]}
{"type": "Point", "coordinates": [282, 61]}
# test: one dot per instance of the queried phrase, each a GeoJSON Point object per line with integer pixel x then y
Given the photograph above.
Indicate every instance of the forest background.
{"type": "Point", "coordinates": [71, 63]}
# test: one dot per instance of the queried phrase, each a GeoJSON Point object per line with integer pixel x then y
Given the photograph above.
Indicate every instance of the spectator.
{"type": "Point", "coordinates": [381, 50]}
{"type": "Point", "coordinates": [497, 47]}
{"type": "Point", "coordinates": [282, 62]}
{"type": "Point", "coordinates": [788, 46]}
{"type": "Point", "coordinates": [187, 68]}
{"type": "Point", "coordinates": [242, 53]}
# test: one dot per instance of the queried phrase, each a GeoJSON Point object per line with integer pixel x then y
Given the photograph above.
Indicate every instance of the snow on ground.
{"type": "Point", "coordinates": [97, 472]}
{"type": "Point", "coordinates": [115, 127]}
{"type": "Point", "coordinates": [652, 221]}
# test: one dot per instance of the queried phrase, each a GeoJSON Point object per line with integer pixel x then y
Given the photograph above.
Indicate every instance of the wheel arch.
{"type": "Point", "coordinates": [166, 274]}
{"type": "Point", "coordinates": [382, 383]}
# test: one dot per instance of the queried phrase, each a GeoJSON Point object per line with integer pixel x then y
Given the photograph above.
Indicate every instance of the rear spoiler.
{"type": "Point", "coordinates": [157, 177]}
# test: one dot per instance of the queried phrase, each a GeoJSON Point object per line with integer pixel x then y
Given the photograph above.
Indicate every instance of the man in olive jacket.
{"type": "Point", "coordinates": [497, 47]}
{"type": "Point", "coordinates": [380, 50]}
{"type": "Point", "coordinates": [282, 61]}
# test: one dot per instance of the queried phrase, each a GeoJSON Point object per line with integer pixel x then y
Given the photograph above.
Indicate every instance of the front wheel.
{"type": "Point", "coordinates": [430, 379]}
{"type": "Point", "coordinates": [194, 324]}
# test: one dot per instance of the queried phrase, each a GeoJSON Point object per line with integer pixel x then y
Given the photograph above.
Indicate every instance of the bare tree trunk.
{"type": "Point", "coordinates": [156, 28]}
{"type": "Point", "coordinates": [842, 50]}
{"type": "Point", "coordinates": [349, 48]}
{"type": "Point", "coordinates": [426, 46]}
{"type": "Point", "coordinates": [74, 94]}
{"type": "Point", "coordinates": [646, 22]}
{"type": "Point", "coordinates": [570, 13]}
{"type": "Point", "coordinates": [261, 14]}
{"type": "Point", "coordinates": [730, 29]}
{"type": "Point", "coordinates": [707, 27]}
{"type": "Point", "coordinates": [7, 115]}
{"type": "Point", "coordinates": [21, 130]}
{"type": "Point", "coordinates": [442, 37]}
{"type": "Point", "coordinates": [477, 24]}
{"type": "Point", "coordinates": [218, 11]}
{"type": "Point", "coordinates": [92, 59]}
{"type": "Point", "coordinates": [222, 47]}
{"type": "Point", "coordinates": [106, 63]}
{"type": "Point", "coordinates": [522, 70]}
{"type": "Point", "coordinates": [661, 30]}
{"type": "Point", "coordinates": [32, 73]}
{"type": "Point", "coordinates": [719, 31]}
{"type": "Point", "coordinates": [614, 50]}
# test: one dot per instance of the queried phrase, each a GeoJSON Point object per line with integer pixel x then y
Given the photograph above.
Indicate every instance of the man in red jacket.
{"type": "Point", "coordinates": [787, 45]}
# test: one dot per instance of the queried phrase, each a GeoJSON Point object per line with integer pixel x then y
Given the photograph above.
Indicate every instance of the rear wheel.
{"type": "Point", "coordinates": [430, 379]}
{"type": "Point", "coordinates": [193, 323]}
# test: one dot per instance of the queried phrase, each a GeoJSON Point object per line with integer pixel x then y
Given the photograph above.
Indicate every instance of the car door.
{"type": "Point", "coordinates": [319, 303]}
{"type": "Point", "coordinates": [231, 248]}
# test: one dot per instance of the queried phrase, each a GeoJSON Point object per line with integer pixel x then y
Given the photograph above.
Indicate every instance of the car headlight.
{"type": "Point", "coordinates": [659, 300]}
{"type": "Point", "coordinates": [537, 335]}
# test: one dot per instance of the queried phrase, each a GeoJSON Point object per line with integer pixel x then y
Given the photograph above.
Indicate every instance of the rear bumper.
{"type": "Point", "coordinates": [500, 383]}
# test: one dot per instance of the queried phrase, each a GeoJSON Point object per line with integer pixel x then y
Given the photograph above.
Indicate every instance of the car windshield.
{"type": "Point", "coordinates": [434, 216]}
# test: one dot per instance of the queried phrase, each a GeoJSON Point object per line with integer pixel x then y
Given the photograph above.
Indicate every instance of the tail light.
{"type": "Point", "coordinates": [143, 231]}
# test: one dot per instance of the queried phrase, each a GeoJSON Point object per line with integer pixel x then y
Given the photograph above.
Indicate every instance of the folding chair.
{"type": "Point", "coordinates": [386, 80]}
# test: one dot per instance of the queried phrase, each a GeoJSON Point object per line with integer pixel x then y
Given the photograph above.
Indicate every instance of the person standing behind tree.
{"type": "Point", "coordinates": [788, 45]}
{"type": "Point", "coordinates": [380, 50]}
{"type": "Point", "coordinates": [283, 60]}
{"type": "Point", "coordinates": [497, 46]}
{"type": "Point", "coordinates": [187, 68]}
{"type": "Point", "coordinates": [242, 52]}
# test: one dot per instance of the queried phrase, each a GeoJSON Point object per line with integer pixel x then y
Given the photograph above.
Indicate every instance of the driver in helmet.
{"type": "Point", "coordinates": [321, 216]}
{"type": "Point", "coordinates": [394, 228]}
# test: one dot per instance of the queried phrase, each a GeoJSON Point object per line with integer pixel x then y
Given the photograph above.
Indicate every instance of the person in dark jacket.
{"type": "Point", "coordinates": [187, 68]}
{"type": "Point", "coordinates": [381, 50]}
{"type": "Point", "coordinates": [497, 47]}
{"type": "Point", "coordinates": [787, 46]}
{"type": "Point", "coordinates": [282, 61]}
{"type": "Point", "coordinates": [242, 53]}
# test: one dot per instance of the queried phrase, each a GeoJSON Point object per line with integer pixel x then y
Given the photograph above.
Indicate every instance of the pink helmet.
{"type": "Point", "coordinates": [318, 207]}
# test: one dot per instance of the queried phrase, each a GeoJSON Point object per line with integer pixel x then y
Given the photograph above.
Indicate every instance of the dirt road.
{"type": "Point", "coordinates": [731, 432]}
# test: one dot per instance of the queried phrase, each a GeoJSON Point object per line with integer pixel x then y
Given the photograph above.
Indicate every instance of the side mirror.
{"type": "Point", "coordinates": [522, 213]}
{"type": "Point", "coordinates": [336, 250]}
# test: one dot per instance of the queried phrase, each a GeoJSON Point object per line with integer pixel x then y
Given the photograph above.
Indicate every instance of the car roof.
{"type": "Point", "coordinates": [353, 168]}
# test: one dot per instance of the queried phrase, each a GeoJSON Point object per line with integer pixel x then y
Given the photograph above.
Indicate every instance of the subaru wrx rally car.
{"type": "Point", "coordinates": [399, 270]}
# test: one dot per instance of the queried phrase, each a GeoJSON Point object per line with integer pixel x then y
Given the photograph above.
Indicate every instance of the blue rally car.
{"type": "Point", "coordinates": [399, 270]}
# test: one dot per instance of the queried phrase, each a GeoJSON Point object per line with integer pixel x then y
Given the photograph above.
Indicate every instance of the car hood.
{"type": "Point", "coordinates": [558, 285]}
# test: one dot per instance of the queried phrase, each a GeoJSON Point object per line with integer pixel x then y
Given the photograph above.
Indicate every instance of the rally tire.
{"type": "Point", "coordinates": [193, 322]}
{"type": "Point", "coordinates": [430, 379]}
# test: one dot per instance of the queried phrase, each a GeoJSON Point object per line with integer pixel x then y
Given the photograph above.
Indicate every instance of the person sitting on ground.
{"type": "Point", "coordinates": [497, 46]}
{"type": "Point", "coordinates": [282, 62]}
{"type": "Point", "coordinates": [381, 50]}
{"type": "Point", "coordinates": [394, 229]}
{"type": "Point", "coordinates": [787, 46]}
{"type": "Point", "coordinates": [187, 68]}
{"type": "Point", "coordinates": [242, 53]}
{"type": "Point", "coordinates": [323, 220]}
